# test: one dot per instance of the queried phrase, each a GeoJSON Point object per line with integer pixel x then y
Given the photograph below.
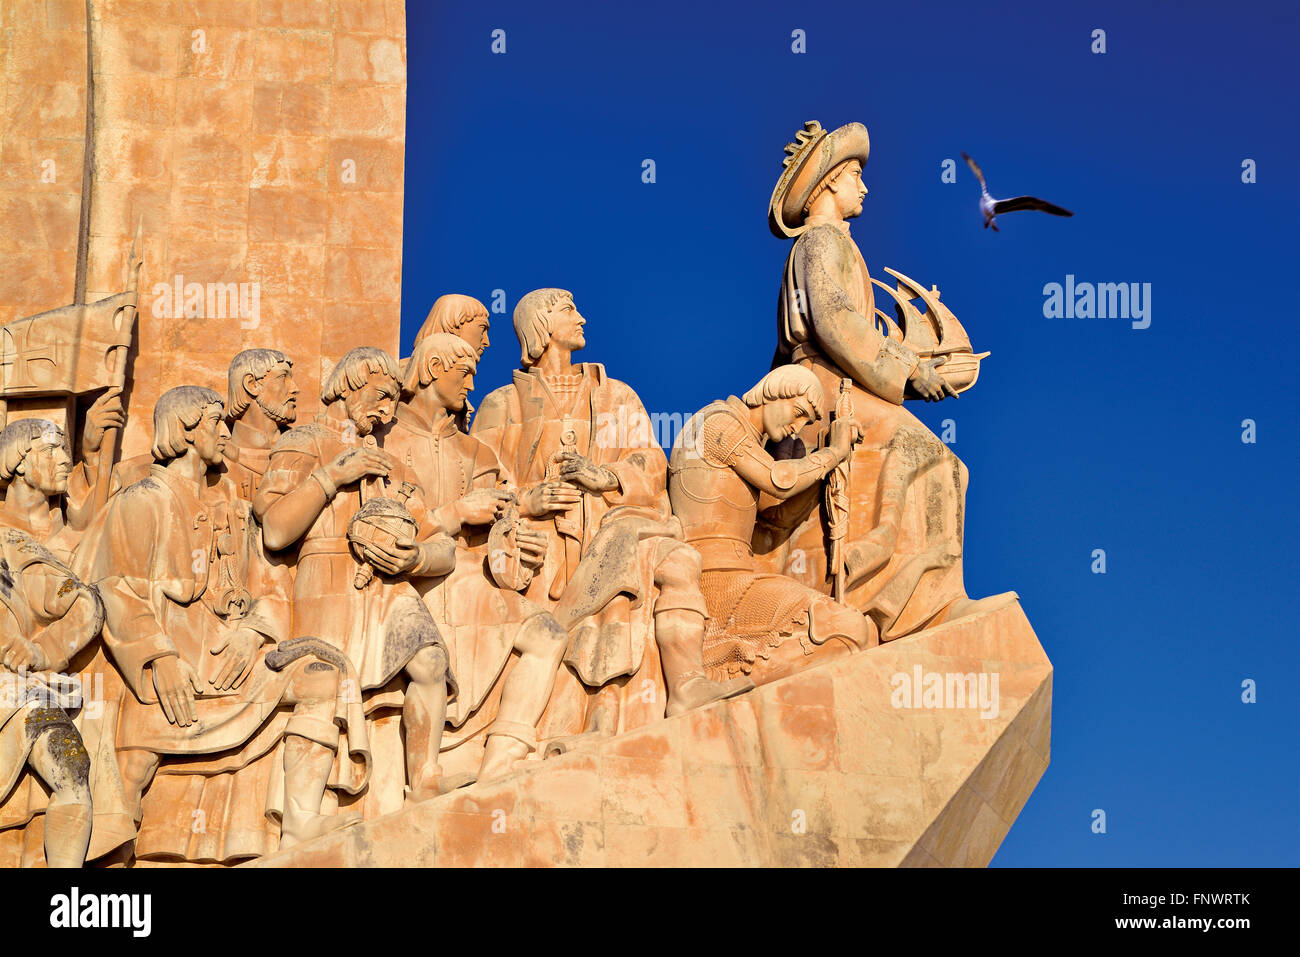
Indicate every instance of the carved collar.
{"type": "Point", "coordinates": [590, 371]}
{"type": "Point", "coordinates": [417, 423]}
{"type": "Point", "coordinates": [254, 459]}
{"type": "Point", "coordinates": [841, 224]}
{"type": "Point", "coordinates": [188, 496]}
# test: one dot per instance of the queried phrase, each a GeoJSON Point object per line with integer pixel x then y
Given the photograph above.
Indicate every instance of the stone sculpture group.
{"type": "Point", "coordinates": [267, 629]}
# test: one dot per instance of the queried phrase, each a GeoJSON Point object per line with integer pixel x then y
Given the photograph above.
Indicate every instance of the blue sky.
{"type": "Point", "coordinates": [525, 170]}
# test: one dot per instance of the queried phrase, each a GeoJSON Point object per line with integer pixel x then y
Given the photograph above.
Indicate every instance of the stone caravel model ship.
{"type": "Point", "coordinates": [401, 634]}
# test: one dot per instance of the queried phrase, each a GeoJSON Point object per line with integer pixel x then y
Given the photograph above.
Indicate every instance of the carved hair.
{"type": "Point", "coordinates": [17, 439]}
{"type": "Point", "coordinates": [442, 347]}
{"type": "Point", "coordinates": [179, 410]}
{"type": "Point", "coordinates": [786, 382]}
{"type": "Point", "coordinates": [825, 184]}
{"type": "Point", "coordinates": [354, 371]}
{"type": "Point", "coordinates": [448, 314]}
{"type": "Point", "coordinates": [532, 326]}
{"type": "Point", "coordinates": [254, 362]}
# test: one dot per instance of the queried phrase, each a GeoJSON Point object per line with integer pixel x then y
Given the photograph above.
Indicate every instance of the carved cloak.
{"type": "Point", "coordinates": [167, 563]}
{"type": "Point", "coordinates": [42, 600]}
{"type": "Point", "coordinates": [907, 487]}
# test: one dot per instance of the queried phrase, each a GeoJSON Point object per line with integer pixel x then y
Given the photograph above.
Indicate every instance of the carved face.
{"type": "Point", "coordinates": [373, 404]}
{"type": "Point", "coordinates": [452, 386]}
{"type": "Point", "coordinates": [475, 332]}
{"type": "Point", "coordinates": [786, 417]}
{"type": "Point", "coordinates": [211, 435]}
{"type": "Point", "coordinates": [849, 191]}
{"type": "Point", "coordinates": [566, 326]}
{"type": "Point", "coordinates": [47, 464]}
{"type": "Point", "coordinates": [278, 396]}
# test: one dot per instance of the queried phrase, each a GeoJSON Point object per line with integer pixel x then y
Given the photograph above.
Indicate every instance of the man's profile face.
{"type": "Point", "coordinates": [786, 417]}
{"type": "Point", "coordinates": [849, 191]}
{"type": "Point", "coordinates": [47, 464]}
{"type": "Point", "coordinates": [566, 326]}
{"type": "Point", "coordinates": [372, 405]}
{"type": "Point", "coordinates": [454, 385]}
{"type": "Point", "coordinates": [475, 332]}
{"type": "Point", "coordinates": [211, 435]}
{"type": "Point", "coordinates": [278, 396]}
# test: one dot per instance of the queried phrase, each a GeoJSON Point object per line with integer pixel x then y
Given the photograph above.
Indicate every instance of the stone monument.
{"type": "Point", "coordinates": [270, 595]}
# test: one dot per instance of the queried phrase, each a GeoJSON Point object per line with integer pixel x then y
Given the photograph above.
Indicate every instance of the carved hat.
{"type": "Point", "coordinates": [812, 155]}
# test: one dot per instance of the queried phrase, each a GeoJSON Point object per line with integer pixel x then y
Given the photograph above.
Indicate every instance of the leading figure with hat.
{"type": "Point", "coordinates": [902, 555]}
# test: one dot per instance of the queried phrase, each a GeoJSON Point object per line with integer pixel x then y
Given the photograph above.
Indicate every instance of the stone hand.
{"type": "Point", "coordinates": [106, 413]}
{"type": "Point", "coordinates": [24, 655]}
{"type": "Point", "coordinates": [237, 651]}
{"type": "Point", "coordinates": [352, 465]}
{"type": "Point", "coordinates": [483, 506]}
{"type": "Point", "coordinates": [531, 543]}
{"type": "Point", "coordinates": [928, 383]}
{"type": "Point", "coordinates": [541, 500]}
{"type": "Point", "coordinates": [582, 471]}
{"type": "Point", "coordinates": [176, 684]}
{"type": "Point", "coordinates": [844, 434]}
{"type": "Point", "coordinates": [396, 559]}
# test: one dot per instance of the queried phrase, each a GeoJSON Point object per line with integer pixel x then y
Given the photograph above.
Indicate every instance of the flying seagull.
{"type": "Point", "coordinates": [992, 208]}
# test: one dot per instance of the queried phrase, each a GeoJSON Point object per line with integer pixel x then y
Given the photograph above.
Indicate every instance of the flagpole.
{"type": "Point", "coordinates": [123, 317]}
{"type": "Point", "coordinates": [87, 166]}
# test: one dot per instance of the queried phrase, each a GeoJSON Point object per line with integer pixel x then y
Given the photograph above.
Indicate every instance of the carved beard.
{"type": "Point", "coordinates": [284, 414]}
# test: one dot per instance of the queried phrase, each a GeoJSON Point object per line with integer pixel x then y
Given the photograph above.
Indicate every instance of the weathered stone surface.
{"type": "Point", "coordinates": [817, 769]}
{"type": "Point", "coordinates": [42, 125]}
{"type": "Point", "coordinates": [259, 143]}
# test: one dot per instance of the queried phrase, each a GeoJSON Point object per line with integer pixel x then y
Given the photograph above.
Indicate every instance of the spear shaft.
{"type": "Point", "coordinates": [837, 496]}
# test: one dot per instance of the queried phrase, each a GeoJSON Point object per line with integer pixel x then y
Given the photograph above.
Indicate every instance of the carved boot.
{"type": "Point", "coordinates": [67, 834]}
{"type": "Point", "coordinates": [432, 783]}
{"type": "Point", "coordinates": [423, 714]}
{"type": "Point", "coordinates": [964, 607]}
{"type": "Point", "coordinates": [307, 767]}
{"type": "Point", "coordinates": [507, 743]}
{"type": "Point", "coordinates": [680, 636]}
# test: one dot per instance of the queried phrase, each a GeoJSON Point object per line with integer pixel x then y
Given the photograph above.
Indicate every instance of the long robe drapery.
{"type": "Point", "coordinates": [164, 555]}
{"type": "Point", "coordinates": [907, 490]}
{"type": "Point", "coordinates": [526, 425]}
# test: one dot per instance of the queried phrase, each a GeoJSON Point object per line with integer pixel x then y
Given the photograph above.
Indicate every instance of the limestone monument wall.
{"type": "Point", "coordinates": [259, 145]}
{"type": "Point", "coordinates": [42, 129]}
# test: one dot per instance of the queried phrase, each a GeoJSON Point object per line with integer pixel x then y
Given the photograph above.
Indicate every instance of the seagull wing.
{"type": "Point", "coordinates": [1028, 202]}
{"type": "Point", "coordinates": [974, 168]}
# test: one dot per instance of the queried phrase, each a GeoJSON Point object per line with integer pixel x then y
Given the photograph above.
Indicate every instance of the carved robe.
{"type": "Point", "coordinates": [908, 490]}
{"type": "Point", "coordinates": [379, 627]}
{"type": "Point", "coordinates": [245, 466]}
{"type": "Point", "coordinates": [628, 535]}
{"type": "Point", "coordinates": [477, 617]}
{"type": "Point", "coordinates": [47, 526]}
{"type": "Point", "coordinates": [178, 570]}
{"type": "Point", "coordinates": [42, 600]}
{"type": "Point", "coordinates": [247, 831]}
